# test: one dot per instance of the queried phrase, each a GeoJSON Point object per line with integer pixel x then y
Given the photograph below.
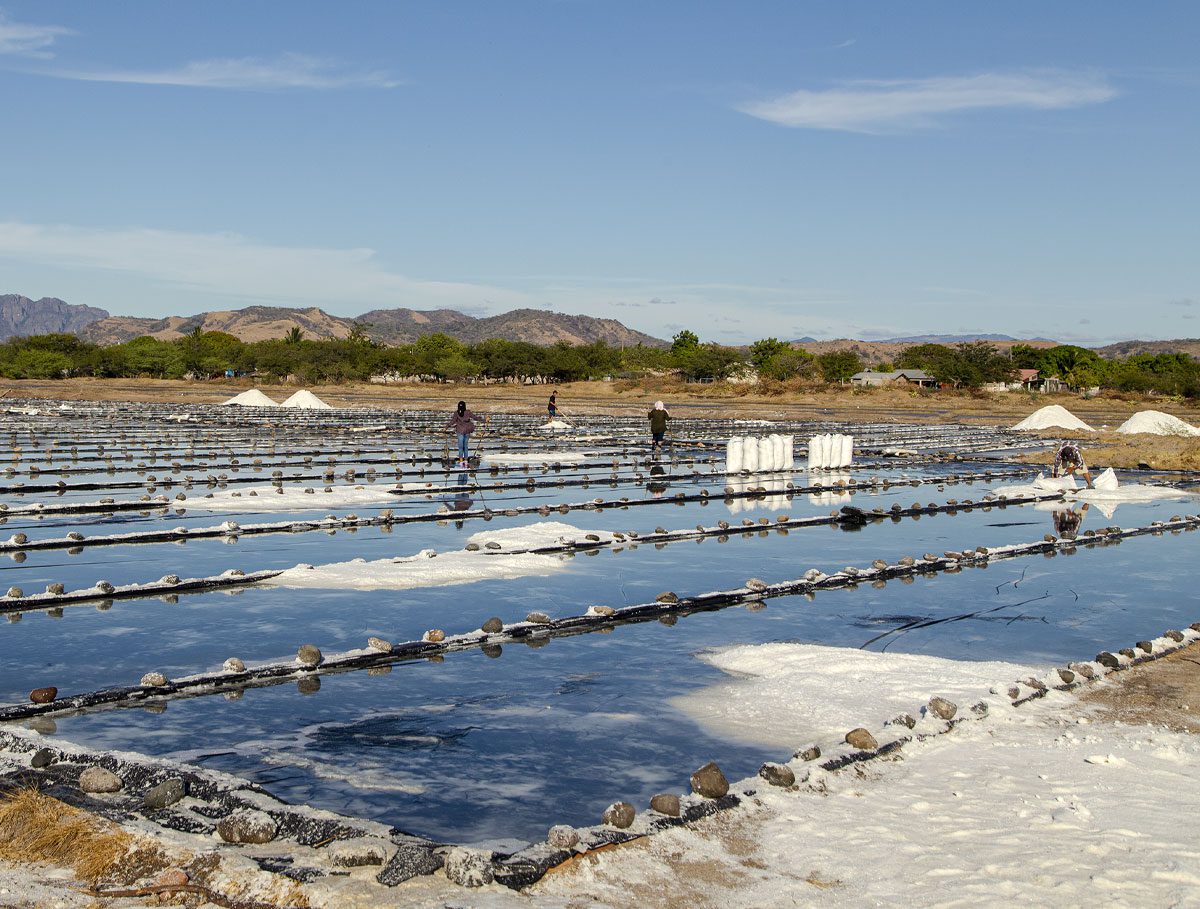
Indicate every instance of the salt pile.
{"type": "Point", "coordinates": [1157, 423]}
{"type": "Point", "coordinates": [555, 424]}
{"type": "Point", "coordinates": [251, 398]}
{"type": "Point", "coordinates": [1053, 416]}
{"type": "Point", "coordinates": [306, 400]}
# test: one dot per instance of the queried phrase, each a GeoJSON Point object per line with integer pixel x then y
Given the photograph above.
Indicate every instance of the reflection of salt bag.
{"type": "Point", "coordinates": [733, 455]}
{"type": "Point", "coordinates": [847, 452]}
{"type": "Point", "coordinates": [1107, 480]}
{"type": "Point", "coordinates": [750, 454]}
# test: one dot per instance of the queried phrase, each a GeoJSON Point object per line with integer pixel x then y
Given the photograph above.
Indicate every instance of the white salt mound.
{"type": "Point", "coordinates": [555, 424]}
{"type": "Point", "coordinates": [307, 400]}
{"type": "Point", "coordinates": [1053, 416]}
{"type": "Point", "coordinates": [1157, 423]}
{"type": "Point", "coordinates": [251, 398]}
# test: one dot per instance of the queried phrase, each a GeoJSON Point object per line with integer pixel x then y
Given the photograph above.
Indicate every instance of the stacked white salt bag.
{"type": "Point", "coordinates": [830, 451]}
{"type": "Point", "coordinates": [748, 454]}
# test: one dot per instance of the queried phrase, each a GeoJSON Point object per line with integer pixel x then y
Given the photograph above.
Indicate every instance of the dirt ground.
{"type": "Point", "coordinates": [1163, 693]}
{"type": "Point", "coordinates": [620, 397]}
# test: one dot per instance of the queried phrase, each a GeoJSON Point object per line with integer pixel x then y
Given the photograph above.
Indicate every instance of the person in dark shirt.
{"type": "Point", "coordinates": [658, 423]}
{"type": "Point", "coordinates": [462, 421]}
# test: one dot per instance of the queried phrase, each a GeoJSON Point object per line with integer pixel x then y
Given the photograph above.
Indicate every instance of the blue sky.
{"type": "Point", "coordinates": [739, 169]}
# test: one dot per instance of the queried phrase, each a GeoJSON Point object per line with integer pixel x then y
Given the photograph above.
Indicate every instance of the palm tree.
{"type": "Point", "coordinates": [294, 336]}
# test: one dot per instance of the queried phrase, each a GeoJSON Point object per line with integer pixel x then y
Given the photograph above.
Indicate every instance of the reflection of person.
{"type": "Point", "coordinates": [1067, 521]}
{"type": "Point", "coordinates": [462, 421]}
{"type": "Point", "coordinates": [658, 423]}
{"type": "Point", "coordinates": [1069, 459]}
{"type": "Point", "coordinates": [657, 485]}
{"type": "Point", "coordinates": [462, 498]}
{"type": "Point", "coordinates": [552, 407]}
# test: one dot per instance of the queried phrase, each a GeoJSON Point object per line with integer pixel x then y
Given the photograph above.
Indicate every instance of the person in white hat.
{"type": "Point", "coordinates": [658, 423]}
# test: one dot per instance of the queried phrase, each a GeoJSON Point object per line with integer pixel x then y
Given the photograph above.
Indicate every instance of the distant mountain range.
{"type": "Point", "coordinates": [953, 339]}
{"type": "Point", "coordinates": [23, 316]}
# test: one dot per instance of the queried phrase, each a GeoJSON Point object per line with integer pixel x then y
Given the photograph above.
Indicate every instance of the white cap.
{"type": "Point", "coordinates": [658, 405]}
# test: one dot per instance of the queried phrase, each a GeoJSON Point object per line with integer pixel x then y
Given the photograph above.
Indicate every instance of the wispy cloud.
{"type": "Point", "coordinates": [845, 43]}
{"type": "Point", "coordinates": [877, 105]}
{"type": "Point", "coordinates": [230, 266]}
{"type": "Point", "coordinates": [287, 71]}
{"type": "Point", "coordinates": [26, 40]}
{"type": "Point", "coordinates": [1184, 302]}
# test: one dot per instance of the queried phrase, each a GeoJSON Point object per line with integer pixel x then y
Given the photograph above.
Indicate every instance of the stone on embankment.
{"type": "Point", "coordinates": [667, 596]}
{"type": "Point", "coordinates": [777, 774]}
{"type": "Point", "coordinates": [665, 803]}
{"type": "Point", "coordinates": [42, 758]}
{"type": "Point", "coordinates": [379, 644]}
{"type": "Point", "coordinates": [862, 739]}
{"type": "Point", "coordinates": [710, 782]}
{"type": "Point", "coordinates": [468, 867]}
{"type": "Point", "coordinates": [43, 695]}
{"type": "Point", "coordinates": [537, 618]}
{"type": "Point", "coordinates": [247, 826]}
{"type": "Point", "coordinates": [153, 680]}
{"type": "Point", "coordinates": [409, 860]}
{"type": "Point", "coordinates": [360, 852]}
{"type": "Point", "coordinates": [233, 664]}
{"type": "Point", "coordinates": [562, 836]}
{"type": "Point", "coordinates": [309, 655]}
{"type": "Point", "coordinates": [811, 753]}
{"type": "Point", "coordinates": [100, 780]}
{"type": "Point", "coordinates": [434, 636]}
{"type": "Point", "coordinates": [1108, 660]}
{"type": "Point", "coordinates": [942, 709]}
{"type": "Point", "coordinates": [491, 626]}
{"type": "Point", "coordinates": [166, 793]}
{"type": "Point", "coordinates": [619, 815]}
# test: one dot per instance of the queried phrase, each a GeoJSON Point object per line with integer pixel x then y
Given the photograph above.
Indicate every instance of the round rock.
{"type": "Point", "coordinates": [379, 644]}
{"type": "Point", "coordinates": [43, 695]}
{"type": "Point", "coordinates": [309, 655]}
{"type": "Point", "coordinates": [619, 815]}
{"type": "Point", "coordinates": [862, 739]}
{"type": "Point", "coordinates": [247, 827]}
{"type": "Point", "coordinates": [492, 625]}
{"type": "Point", "coordinates": [166, 793]}
{"type": "Point", "coordinates": [710, 782]}
{"type": "Point", "coordinates": [777, 774]}
{"type": "Point", "coordinates": [153, 680]}
{"type": "Point", "coordinates": [665, 803]}
{"type": "Point", "coordinates": [43, 757]}
{"type": "Point", "coordinates": [100, 779]}
{"type": "Point", "coordinates": [942, 708]}
{"type": "Point", "coordinates": [562, 836]}
{"type": "Point", "coordinates": [233, 664]}
{"type": "Point", "coordinates": [538, 618]}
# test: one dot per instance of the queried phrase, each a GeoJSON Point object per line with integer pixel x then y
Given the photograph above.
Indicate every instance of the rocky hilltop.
{"type": "Point", "coordinates": [21, 316]}
{"type": "Point", "coordinates": [387, 326]}
{"type": "Point", "coordinates": [1189, 346]}
{"type": "Point", "coordinates": [254, 323]}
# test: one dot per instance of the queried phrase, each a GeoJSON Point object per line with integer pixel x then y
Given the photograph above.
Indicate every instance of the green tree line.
{"type": "Point", "coordinates": [357, 358]}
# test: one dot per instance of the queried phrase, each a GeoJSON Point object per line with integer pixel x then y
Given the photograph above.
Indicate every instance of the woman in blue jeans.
{"type": "Point", "coordinates": [462, 421]}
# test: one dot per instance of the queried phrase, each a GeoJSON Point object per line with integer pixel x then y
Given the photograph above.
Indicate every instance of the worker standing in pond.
{"type": "Point", "coordinates": [1069, 459]}
{"type": "Point", "coordinates": [552, 407]}
{"type": "Point", "coordinates": [462, 421]}
{"type": "Point", "coordinates": [658, 424]}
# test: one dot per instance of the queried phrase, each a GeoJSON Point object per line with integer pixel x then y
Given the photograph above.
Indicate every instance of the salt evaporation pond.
{"type": "Point", "coordinates": [493, 748]}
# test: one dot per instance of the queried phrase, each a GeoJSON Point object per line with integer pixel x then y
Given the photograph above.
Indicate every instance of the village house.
{"type": "Point", "coordinates": [895, 377]}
